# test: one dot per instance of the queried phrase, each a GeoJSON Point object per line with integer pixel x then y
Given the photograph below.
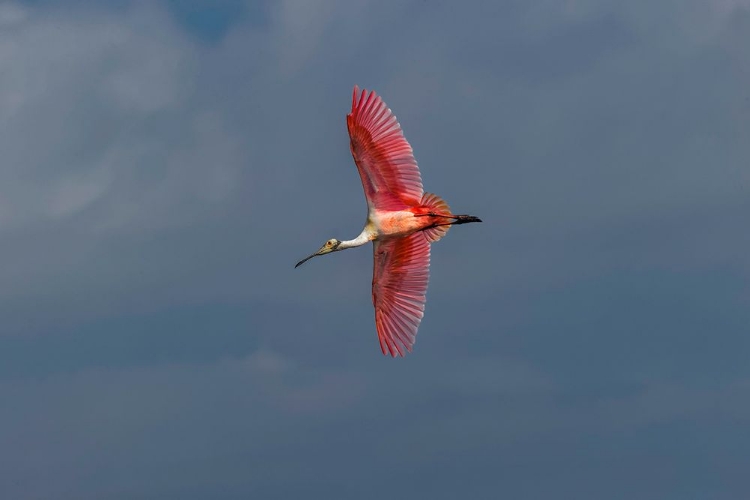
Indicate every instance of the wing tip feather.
{"type": "Point", "coordinates": [354, 97]}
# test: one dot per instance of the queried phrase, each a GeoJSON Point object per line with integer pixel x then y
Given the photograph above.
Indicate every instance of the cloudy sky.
{"type": "Point", "coordinates": [164, 165]}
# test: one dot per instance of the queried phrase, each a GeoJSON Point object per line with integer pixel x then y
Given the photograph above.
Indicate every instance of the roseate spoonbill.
{"type": "Point", "coordinates": [402, 221]}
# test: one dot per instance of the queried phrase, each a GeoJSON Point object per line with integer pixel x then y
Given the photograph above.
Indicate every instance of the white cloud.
{"type": "Point", "coordinates": [71, 195]}
{"type": "Point", "coordinates": [11, 14]}
{"type": "Point", "coordinates": [107, 136]}
{"type": "Point", "coordinates": [99, 108]}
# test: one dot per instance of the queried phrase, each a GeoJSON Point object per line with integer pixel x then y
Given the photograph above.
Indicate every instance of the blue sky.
{"type": "Point", "coordinates": [165, 164]}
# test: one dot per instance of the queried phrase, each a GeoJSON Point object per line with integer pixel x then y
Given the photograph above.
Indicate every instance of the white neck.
{"type": "Point", "coordinates": [364, 237]}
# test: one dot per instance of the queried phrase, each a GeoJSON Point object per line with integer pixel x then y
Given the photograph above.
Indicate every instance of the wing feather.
{"type": "Point", "coordinates": [389, 172]}
{"type": "Point", "coordinates": [401, 273]}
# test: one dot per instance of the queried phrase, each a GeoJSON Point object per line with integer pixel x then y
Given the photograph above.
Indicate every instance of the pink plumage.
{"type": "Point", "coordinates": [402, 221]}
{"type": "Point", "coordinates": [383, 156]}
{"type": "Point", "coordinates": [399, 290]}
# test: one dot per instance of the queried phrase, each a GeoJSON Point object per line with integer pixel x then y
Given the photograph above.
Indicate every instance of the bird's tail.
{"type": "Point", "coordinates": [436, 206]}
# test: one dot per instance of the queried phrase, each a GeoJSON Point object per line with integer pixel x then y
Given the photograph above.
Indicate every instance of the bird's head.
{"type": "Point", "coordinates": [329, 246]}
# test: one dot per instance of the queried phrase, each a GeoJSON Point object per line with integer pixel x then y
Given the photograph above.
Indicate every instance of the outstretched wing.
{"type": "Point", "coordinates": [386, 164]}
{"type": "Point", "coordinates": [399, 290]}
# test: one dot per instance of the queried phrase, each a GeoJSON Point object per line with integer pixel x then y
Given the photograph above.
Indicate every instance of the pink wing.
{"type": "Point", "coordinates": [399, 290]}
{"type": "Point", "coordinates": [384, 158]}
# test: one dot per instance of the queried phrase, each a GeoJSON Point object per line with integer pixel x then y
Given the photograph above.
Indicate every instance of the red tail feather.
{"type": "Point", "coordinates": [438, 205]}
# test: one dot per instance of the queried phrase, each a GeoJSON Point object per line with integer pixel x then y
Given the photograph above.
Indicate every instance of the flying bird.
{"type": "Point", "coordinates": [402, 221]}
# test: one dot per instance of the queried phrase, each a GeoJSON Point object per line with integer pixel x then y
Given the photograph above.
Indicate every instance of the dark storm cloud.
{"type": "Point", "coordinates": [163, 171]}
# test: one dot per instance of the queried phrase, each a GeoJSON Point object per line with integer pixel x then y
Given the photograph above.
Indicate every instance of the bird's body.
{"type": "Point", "coordinates": [398, 223]}
{"type": "Point", "coordinates": [402, 221]}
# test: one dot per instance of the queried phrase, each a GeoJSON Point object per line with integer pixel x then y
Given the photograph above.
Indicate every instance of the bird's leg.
{"type": "Point", "coordinates": [442, 224]}
{"type": "Point", "coordinates": [465, 219]}
{"type": "Point", "coordinates": [433, 214]}
{"type": "Point", "coordinates": [458, 219]}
